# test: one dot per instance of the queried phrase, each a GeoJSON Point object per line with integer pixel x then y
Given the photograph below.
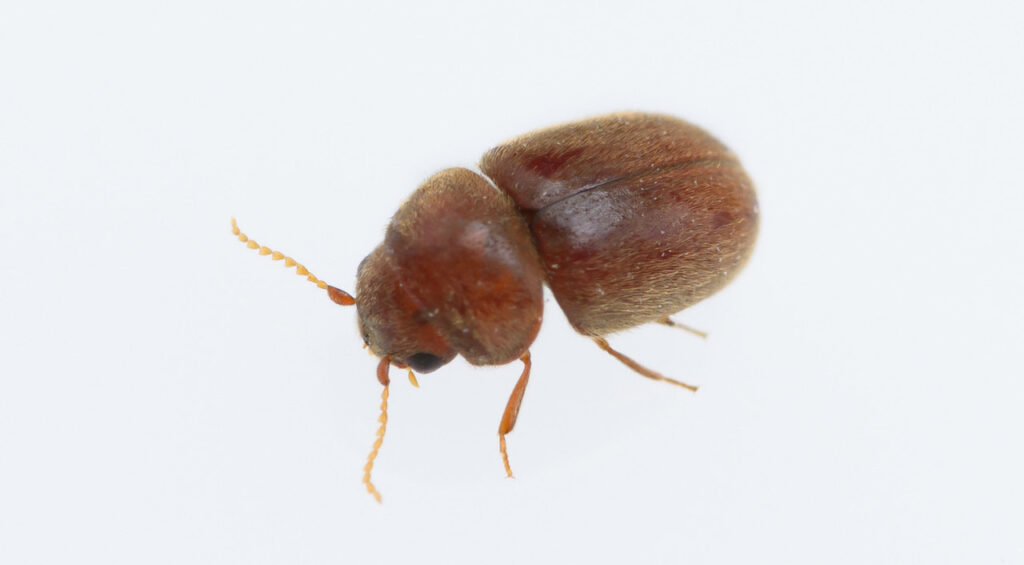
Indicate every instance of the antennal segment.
{"type": "Point", "coordinates": [336, 294]}
{"type": "Point", "coordinates": [382, 376]}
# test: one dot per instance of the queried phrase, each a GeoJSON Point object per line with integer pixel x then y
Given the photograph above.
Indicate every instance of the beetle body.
{"type": "Point", "coordinates": [627, 218]}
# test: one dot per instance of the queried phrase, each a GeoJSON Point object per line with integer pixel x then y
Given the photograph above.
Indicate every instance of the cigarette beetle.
{"type": "Point", "coordinates": [627, 218]}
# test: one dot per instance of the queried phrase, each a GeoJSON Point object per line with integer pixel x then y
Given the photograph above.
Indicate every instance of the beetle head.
{"type": "Point", "coordinates": [390, 320]}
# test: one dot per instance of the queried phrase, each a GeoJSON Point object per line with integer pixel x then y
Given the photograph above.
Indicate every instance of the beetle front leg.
{"type": "Point", "coordinates": [508, 419]}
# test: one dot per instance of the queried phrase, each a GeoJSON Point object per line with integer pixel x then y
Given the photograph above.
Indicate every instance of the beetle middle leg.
{"type": "Point", "coordinates": [603, 344]}
{"type": "Point", "coordinates": [508, 419]}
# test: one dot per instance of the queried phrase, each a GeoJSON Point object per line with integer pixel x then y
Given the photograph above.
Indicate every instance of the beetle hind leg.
{"type": "Point", "coordinates": [666, 321]}
{"type": "Point", "coordinates": [603, 344]}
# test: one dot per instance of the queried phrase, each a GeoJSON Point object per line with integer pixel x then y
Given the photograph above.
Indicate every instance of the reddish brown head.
{"type": "Point", "coordinates": [392, 322]}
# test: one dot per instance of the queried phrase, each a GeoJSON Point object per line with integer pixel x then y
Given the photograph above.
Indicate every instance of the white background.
{"type": "Point", "coordinates": [168, 396]}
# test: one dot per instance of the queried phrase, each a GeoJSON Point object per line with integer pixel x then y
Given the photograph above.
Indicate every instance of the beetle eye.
{"type": "Point", "coordinates": [424, 362]}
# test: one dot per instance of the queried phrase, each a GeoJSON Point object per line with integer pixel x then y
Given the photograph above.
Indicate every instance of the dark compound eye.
{"type": "Point", "coordinates": [424, 362]}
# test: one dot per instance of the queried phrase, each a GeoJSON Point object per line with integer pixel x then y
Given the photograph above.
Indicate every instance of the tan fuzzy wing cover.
{"type": "Point", "coordinates": [636, 216]}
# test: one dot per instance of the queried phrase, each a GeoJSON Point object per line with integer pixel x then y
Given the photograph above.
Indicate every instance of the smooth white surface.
{"type": "Point", "coordinates": [168, 396]}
